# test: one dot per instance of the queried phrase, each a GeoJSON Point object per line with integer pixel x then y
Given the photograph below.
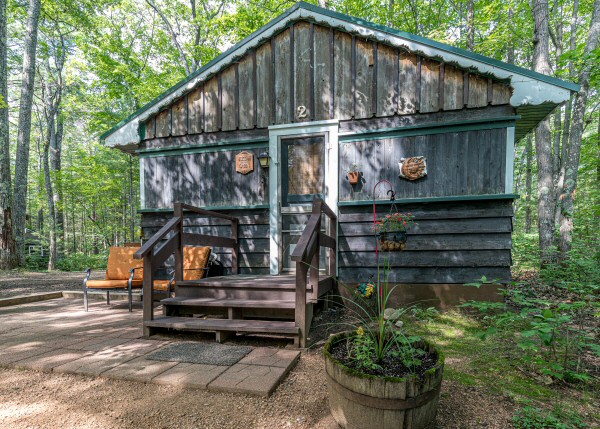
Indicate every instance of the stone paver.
{"type": "Point", "coordinates": [96, 344]}
{"type": "Point", "coordinates": [95, 364]}
{"type": "Point", "coordinates": [47, 361]}
{"type": "Point", "coordinates": [15, 354]}
{"type": "Point", "coordinates": [253, 379]}
{"type": "Point", "coordinates": [268, 356]}
{"type": "Point", "coordinates": [190, 375]}
{"type": "Point", "coordinates": [139, 369]}
{"type": "Point", "coordinates": [107, 341]}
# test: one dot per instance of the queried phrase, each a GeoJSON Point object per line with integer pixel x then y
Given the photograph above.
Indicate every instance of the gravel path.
{"type": "Point", "coordinates": [13, 283]}
{"type": "Point", "coordinates": [30, 399]}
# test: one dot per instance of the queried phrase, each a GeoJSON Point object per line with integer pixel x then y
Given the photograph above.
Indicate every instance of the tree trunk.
{"type": "Point", "coordinates": [567, 121]}
{"type": "Point", "coordinates": [51, 210]}
{"type": "Point", "coordinates": [470, 25]}
{"type": "Point", "coordinates": [577, 125]}
{"type": "Point", "coordinates": [543, 145]}
{"type": "Point", "coordinates": [24, 127]}
{"type": "Point", "coordinates": [8, 256]}
{"type": "Point", "coordinates": [528, 174]}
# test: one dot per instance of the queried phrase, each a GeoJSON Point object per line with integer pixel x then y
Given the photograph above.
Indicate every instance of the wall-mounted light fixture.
{"type": "Point", "coordinates": [264, 159]}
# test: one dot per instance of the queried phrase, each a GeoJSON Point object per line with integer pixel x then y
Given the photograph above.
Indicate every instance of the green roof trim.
{"type": "Point", "coordinates": [432, 199]}
{"type": "Point", "coordinates": [357, 21]}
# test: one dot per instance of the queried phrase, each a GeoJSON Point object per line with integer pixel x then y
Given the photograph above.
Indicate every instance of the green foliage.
{"type": "Point", "coordinates": [551, 336]}
{"type": "Point", "coordinates": [80, 262]}
{"type": "Point", "coordinates": [535, 418]}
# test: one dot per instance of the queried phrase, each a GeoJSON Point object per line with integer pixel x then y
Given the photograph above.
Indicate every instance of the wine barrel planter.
{"type": "Point", "coordinates": [361, 401]}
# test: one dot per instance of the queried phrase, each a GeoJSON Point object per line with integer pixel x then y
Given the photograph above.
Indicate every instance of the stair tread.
{"type": "Point", "coordinates": [228, 302]}
{"type": "Point", "coordinates": [249, 281]}
{"type": "Point", "coordinates": [231, 325]}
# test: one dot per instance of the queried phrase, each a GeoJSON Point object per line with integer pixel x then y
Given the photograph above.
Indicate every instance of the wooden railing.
{"type": "Point", "coordinates": [307, 257]}
{"type": "Point", "coordinates": [156, 251]}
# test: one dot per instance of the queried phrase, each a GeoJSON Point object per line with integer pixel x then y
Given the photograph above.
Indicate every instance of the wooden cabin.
{"type": "Point", "coordinates": [313, 92]}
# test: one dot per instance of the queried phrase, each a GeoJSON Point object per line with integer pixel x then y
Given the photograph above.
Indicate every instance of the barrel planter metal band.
{"type": "Point", "coordinates": [384, 403]}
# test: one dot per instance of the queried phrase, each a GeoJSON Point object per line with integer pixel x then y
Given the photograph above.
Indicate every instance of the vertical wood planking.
{"type": "Point", "coordinates": [430, 75]}
{"type": "Point", "coordinates": [283, 75]}
{"type": "Point", "coordinates": [342, 71]}
{"type": "Point", "coordinates": [302, 70]}
{"type": "Point", "coordinates": [247, 85]}
{"type": "Point", "coordinates": [386, 77]}
{"type": "Point", "coordinates": [453, 88]}
{"type": "Point", "coordinates": [179, 112]}
{"type": "Point", "coordinates": [407, 82]}
{"type": "Point", "coordinates": [195, 111]}
{"type": "Point", "coordinates": [364, 78]}
{"type": "Point", "coordinates": [211, 105]}
{"type": "Point", "coordinates": [163, 123]}
{"type": "Point", "coordinates": [322, 74]}
{"type": "Point", "coordinates": [497, 160]}
{"type": "Point", "coordinates": [229, 99]}
{"type": "Point", "coordinates": [150, 128]}
{"type": "Point", "coordinates": [264, 86]}
{"type": "Point", "coordinates": [477, 91]}
{"type": "Point", "coordinates": [501, 93]}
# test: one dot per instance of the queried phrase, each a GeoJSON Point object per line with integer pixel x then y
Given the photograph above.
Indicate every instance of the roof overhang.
{"type": "Point", "coordinates": [534, 95]}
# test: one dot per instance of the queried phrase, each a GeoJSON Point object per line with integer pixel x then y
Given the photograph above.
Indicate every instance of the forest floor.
{"type": "Point", "coordinates": [474, 395]}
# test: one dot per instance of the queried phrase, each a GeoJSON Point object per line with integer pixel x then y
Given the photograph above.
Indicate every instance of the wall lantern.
{"type": "Point", "coordinates": [264, 159]}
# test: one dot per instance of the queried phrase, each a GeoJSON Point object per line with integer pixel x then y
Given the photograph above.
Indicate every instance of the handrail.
{"type": "Point", "coordinates": [306, 255]}
{"type": "Point", "coordinates": [156, 238]}
{"type": "Point", "coordinates": [312, 227]}
{"type": "Point", "coordinates": [154, 252]}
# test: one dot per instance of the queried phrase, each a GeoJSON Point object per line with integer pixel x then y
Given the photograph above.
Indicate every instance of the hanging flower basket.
{"type": "Point", "coordinates": [392, 241]}
{"type": "Point", "coordinates": [391, 231]}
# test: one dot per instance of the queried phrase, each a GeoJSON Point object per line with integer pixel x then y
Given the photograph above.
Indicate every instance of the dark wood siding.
{"type": "Point", "coordinates": [458, 163]}
{"type": "Point", "coordinates": [203, 179]}
{"type": "Point", "coordinates": [331, 74]}
{"type": "Point", "coordinates": [451, 243]}
{"type": "Point", "coordinates": [253, 234]}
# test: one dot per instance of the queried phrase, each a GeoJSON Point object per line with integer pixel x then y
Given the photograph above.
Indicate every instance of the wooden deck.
{"type": "Point", "coordinates": [248, 303]}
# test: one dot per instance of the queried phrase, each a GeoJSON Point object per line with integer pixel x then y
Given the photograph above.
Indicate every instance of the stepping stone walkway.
{"type": "Point", "coordinates": [58, 336]}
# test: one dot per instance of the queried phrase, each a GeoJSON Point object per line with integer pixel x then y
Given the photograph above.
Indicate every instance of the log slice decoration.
{"type": "Point", "coordinates": [413, 168]}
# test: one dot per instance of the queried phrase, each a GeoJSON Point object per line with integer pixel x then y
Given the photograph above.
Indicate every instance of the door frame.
{"type": "Point", "coordinates": [331, 173]}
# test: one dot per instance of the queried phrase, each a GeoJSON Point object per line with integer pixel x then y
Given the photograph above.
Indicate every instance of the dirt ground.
{"type": "Point", "coordinates": [30, 399]}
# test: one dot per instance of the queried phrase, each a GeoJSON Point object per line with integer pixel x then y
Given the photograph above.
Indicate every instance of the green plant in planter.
{"type": "Point", "coordinates": [379, 375]}
{"type": "Point", "coordinates": [391, 230]}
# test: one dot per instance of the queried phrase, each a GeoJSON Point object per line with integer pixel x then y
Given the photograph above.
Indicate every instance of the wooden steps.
{"type": "Point", "coordinates": [223, 327]}
{"type": "Point", "coordinates": [228, 303]}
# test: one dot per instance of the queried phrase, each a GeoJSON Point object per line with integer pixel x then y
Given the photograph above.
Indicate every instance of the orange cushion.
{"type": "Point", "coordinates": [193, 259]}
{"type": "Point", "coordinates": [112, 284]}
{"type": "Point", "coordinates": [120, 262]}
{"type": "Point", "coordinates": [161, 284]}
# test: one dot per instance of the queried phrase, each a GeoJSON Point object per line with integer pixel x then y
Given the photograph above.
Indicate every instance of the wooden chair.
{"type": "Point", "coordinates": [122, 272]}
{"type": "Point", "coordinates": [195, 267]}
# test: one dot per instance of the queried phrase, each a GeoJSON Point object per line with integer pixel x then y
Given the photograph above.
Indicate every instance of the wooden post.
{"type": "Point", "coordinates": [235, 269]}
{"type": "Point", "coordinates": [300, 316]}
{"type": "Point", "coordinates": [332, 232]}
{"type": "Point", "coordinates": [314, 264]}
{"type": "Point", "coordinates": [148, 312]}
{"type": "Point", "coordinates": [178, 212]}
